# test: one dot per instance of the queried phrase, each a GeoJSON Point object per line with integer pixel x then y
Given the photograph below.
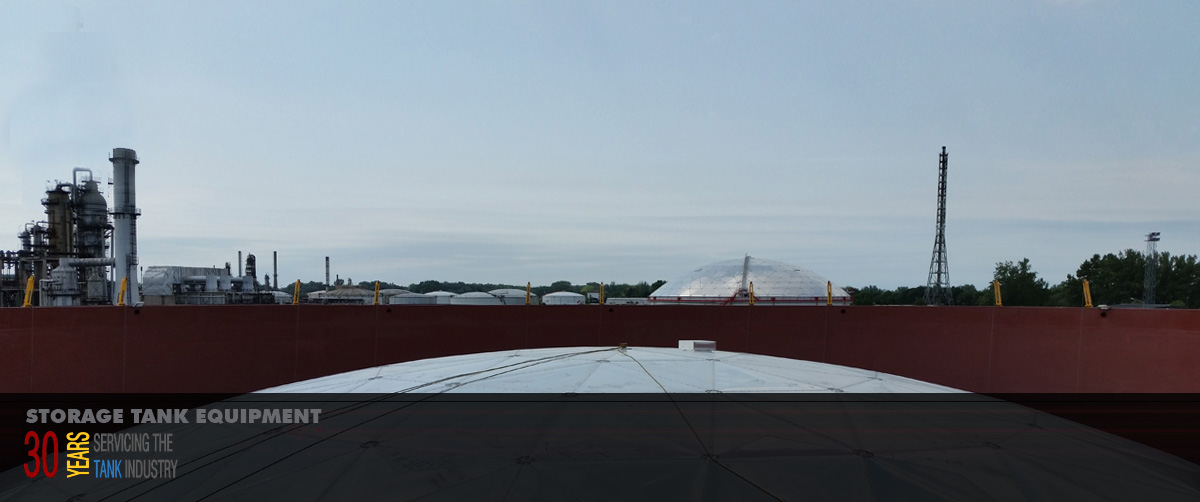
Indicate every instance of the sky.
{"type": "Point", "coordinates": [621, 141]}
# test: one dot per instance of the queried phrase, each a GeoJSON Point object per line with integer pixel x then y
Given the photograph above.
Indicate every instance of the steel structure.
{"type": "Point", "coordinates": [64, 255]}
{"type": "Point", "coordinates": [1151, 267]}
{"type": "Point", "coordinates": [937, 288]}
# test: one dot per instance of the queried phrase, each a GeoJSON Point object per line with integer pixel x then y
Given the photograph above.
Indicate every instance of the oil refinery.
{"type": "Point", "coordinates": [79, 256]}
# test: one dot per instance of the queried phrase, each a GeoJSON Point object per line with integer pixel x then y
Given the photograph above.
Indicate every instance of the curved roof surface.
{"type": "Point", "coordinates": [349, 291]}
{"type": "Point", "coordinates": [730, 278]}
{"type": "Point", "coordinates": [563, 446]}
{"type": "Point", "coordinates": [511, 292]}
{"type": "Point", "coordinates": [612, 370]}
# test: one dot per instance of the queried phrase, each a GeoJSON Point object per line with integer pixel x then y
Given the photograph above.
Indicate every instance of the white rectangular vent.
{"type": "Point", "coordinates": [698, 345]}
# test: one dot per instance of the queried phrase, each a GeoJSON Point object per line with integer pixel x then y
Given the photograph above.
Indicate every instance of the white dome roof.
{"type": "Point", "coordinates": [635, 370]}
{"type": "Point", "coordinates": [729, 281]}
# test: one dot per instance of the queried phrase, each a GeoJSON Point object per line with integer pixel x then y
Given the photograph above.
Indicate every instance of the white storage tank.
{"type": "Point", "coordinates": [514, 296]}
{"type": "Point", "coordinates": [442, 297]}
{"type": "Point", "coordinates": [384, 294]}
{"type": "Point", "coordinates": [476, 298]}
{"type": "Point", "coordinates": [410, 298]}
{"type": "Point", "coordinates": [729, 283]}
{"type": "Point", "coordinates": [563, 298]}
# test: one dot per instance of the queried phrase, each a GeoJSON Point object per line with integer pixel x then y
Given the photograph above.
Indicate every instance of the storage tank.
{"type": "Point", "coordinates": [729, 283]}
{"type": "Point", "coordinates": [410, 298]}
{"type": "Point", "coordinates": [514, 296]}
{"type": "Point", "coordinates": [442, 297]}
{"type": "Point", "coordinates": [62, 286]}
{"type": "Point", "coordinates": [563, 298]}
{"type": "Point", "coordinates": [476, 298]}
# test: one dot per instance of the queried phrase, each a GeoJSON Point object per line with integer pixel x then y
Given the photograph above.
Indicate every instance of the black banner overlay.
{"type": "Point", "coordinates": [598, 446]}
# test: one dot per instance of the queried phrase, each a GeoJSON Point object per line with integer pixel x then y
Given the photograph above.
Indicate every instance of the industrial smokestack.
{"type": "Point", "coordinates": [275, 268]}
{"type": "Point", "coordinates": [125, 213]}
{"type": "Point", "coordinates": [327, 273]}
{"type": "Point", "coordinates": [240, 274]}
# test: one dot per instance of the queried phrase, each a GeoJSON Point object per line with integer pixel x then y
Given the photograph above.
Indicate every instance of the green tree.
{"type": "Point", "coordinates": [967, 294]}
{"type": "Point", "coordinates": [1019, 286]}
{"type": "Point", "coordinates": [1113, 278]}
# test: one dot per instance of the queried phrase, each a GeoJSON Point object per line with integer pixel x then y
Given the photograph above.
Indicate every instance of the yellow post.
{"type": "Point", "coordinates": [376, 292]}
{"type": "Point", "coordinates": [996, 290]}
{"type": "Point", "coordinates": [602, 293]}
{"type": "Point", "coordinates": [296, 294]}
{"type": "Point", "coordinates": [828, 293]}
{"type": "Point", "coordinates": [751, 294]}
{"type": "Point", "coordinates": [527, 293]}
{"type": "Point", "coordinates": [121, 295]}
{"type": "Point", "coordinates": [28, 293]}
{"type": "Point", "coordinates": [1087, 294]}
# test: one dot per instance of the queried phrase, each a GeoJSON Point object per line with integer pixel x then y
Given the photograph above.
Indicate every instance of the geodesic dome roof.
{"type": "Point", "coordinates": [730, 279]}
{"type": "Point", "coordinates": [611, 370]}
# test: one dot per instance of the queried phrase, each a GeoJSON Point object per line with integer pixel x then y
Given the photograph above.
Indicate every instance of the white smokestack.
{"type": "Point", "coordinates": [125, 215]}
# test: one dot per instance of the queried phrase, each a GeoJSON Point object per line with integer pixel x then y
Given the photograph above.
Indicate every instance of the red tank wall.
{"type": "Point", "coordinates": [242, 348]}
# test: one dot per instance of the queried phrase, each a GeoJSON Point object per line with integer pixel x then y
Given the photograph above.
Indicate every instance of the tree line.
{"type": "Point", "coordinates": [1113, 279]}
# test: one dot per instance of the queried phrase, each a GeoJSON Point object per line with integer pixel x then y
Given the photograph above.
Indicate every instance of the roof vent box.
{"type": "Point", "coordinates": [698, 345]}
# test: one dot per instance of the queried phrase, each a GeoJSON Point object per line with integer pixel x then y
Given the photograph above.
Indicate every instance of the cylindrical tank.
{"type": "Point", "coordinates": [563, 298]}
{"type": "Point", "coordinates": [58, 217]}
{"type": "Point", "coordinates": [514, 296]}
{"type": "Point", "coordinates": [125, 215]}
{"type": "Point", "coordinates": [475, 298]}
{"type": "Point", "coordinates": [92, 221]}
{"type": "Point", "coordinates": [442, 297]}
{"type": "Point", "coordinates": [63, 286]}
{"type": "Point", "coordinates": [411, 298]}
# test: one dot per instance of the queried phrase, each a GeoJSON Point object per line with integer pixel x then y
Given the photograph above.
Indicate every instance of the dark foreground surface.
{"type": "Point", "coordinates": [605, 447]}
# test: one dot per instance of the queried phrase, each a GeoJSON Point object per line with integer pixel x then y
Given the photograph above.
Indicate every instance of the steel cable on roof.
{"type": "Point", "coordinates": [336, 412]}
{"type": "Point", "coordinates": [511, 367]}
{"type": "Point", "coordinates": [707, 454]}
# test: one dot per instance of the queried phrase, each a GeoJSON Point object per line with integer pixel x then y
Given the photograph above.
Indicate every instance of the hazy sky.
{"type": "Point", "coordinates": [614, 141]}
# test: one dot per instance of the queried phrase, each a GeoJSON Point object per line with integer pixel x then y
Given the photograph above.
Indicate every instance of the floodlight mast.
{"type": "Point", "coordinates": [1152, 239]}
{"type": "Point", "coordinates": [937, 288]}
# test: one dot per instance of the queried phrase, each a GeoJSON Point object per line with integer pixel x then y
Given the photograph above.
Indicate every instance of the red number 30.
{"type": "Point", "coordinates": [41, 463]}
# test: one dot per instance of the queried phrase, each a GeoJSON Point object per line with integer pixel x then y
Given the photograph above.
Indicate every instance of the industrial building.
{"type": "Point", "coordinates": [203, 286]}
